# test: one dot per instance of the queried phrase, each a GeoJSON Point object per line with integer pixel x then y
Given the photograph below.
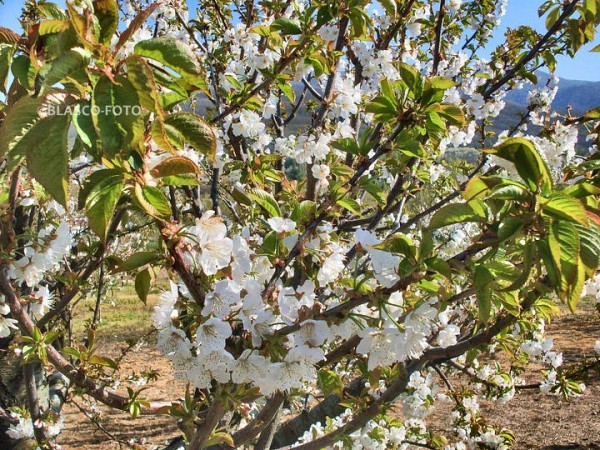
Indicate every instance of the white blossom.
{"type": "Point", "coordinates": [281, 225]}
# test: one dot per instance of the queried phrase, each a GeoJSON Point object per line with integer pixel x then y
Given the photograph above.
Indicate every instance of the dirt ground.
{"type": "Point", "coordinates": [539, 422]}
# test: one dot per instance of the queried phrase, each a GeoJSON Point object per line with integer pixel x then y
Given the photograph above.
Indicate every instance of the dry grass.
{"type": "Point", "coordinates": [123, 315]}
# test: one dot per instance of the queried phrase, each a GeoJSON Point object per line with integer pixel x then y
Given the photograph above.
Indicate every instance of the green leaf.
{"type": "Point", "coordinates": [143, 282]}
{"type": "Point", "coordinates": [100, 195]}
{"type": "Point", "coordinates": [453, 114]}
{"type": "Point", "coordinates": [342, 171]}
{"type": "Point", "coordinates": [509, 228]}
{"type": "Point", "coordinates": [399, 243]}
{"type": "Point", "coordinates": [6, 54]}
{"type": "Point", "coordinates": [390, 7]}
{"type": "Point", "coordinates": [565, 207]}
{"type": "Point", "coordinates": [478, 187]}
{"type": "Point", "coordinates": [304, 212]}
{"type": "Point", "coordinates": [427, 245]}
{"type": "Point", "coordinates": [286, 26]}
{"type": "Point", "coordinates": [266, 201]}
{"type": "Point", "coordinates": [52, 26]}
{"type": "Point", "coordinates": [180, 180]}
{"type": "Point", "coordinates": [508, 192]}
{"type": "Point", "coordinates": [510, 302]}
{"type": "Point", "coordinates": [552, 17]}
{"type": "Point", "coordinates": [136, 261]}
{"type": "Point", "coordinates": [84, 24]}
{"type": "Point", "coordinates": [84, 125]}
{"type": "Point", "coordinates": [592, 114]}
{"type": "Point", "coordinates": [384, 109]}
{"type": "Point", "coordinates": [581, 190]}
{"type": "Point", "coordinates": [373, 187]}
{"type": "Point", "coordinates": [330, 382]}
{"type": "Point", "coordinates": [102, 361]}
{"type": "Point", "coordinates": [270, 245]}
{"type": "Point", "coordinates": [116, 114]}
{"type": "Point", "coordinates": [71, 351]}
{"type": "Point", "coordinates": [171, 52]}
{"type": "Point", "coordinates": [152, 200]}
{"type": "Point", "coordinates": [479, 208]}
{"type": "Point", "coordinates": [576, 288]}
{"type": "Point", "coordinates": [65, 65]}
{"type": "Point", "coordinates": [528, 162]}
{"type": "Point", "coordinates": [52, 10]}
{"type": "Point", "coordinates": [563, 239]}
{"type": "Point", "coordinates": [589, 239]}
{"type": "Point", "coordinates": [287, 90]}
{"type": "Point", "coordinates": [47, 153]}
{"type": "Point", "coordinates": [107, 12]}
{"type": "Point", "coordinates": [20, 118]}
{"type": "Point", "coordinates": [142, 79]}
{"type": "Point", "coordinates": [349, 204]}
{"type": "Point", "coordinates": [240, 196]}
{"type": "Point", "coordinates": [524, 270]}
{"type": "Point", "coordinates": [23, 71]}
{"type": "Point", "coordinates": [441, 83]}
{"type": "Point", "coordinates": [543, 248]}
{"type": "Point", "coordinates": [434, 124]}
{"type": "Point", "coordinates": [220, 437]}
{"type": "Point", "coordinates": [349, 145]}
{"type": "Point", "coordinates": [452, 214]}
{"type": "Point", "coordinates": [440, 266]}
{"type": "Point", "coordinates": [412, 78]}
{"type": "Point", "coordinates": [187, 128]}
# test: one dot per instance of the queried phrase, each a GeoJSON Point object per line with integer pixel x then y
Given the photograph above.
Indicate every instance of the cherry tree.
{"type": "Point", "coordinates": [285, 173]}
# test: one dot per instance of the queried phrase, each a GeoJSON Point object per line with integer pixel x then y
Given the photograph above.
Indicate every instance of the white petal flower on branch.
{"type": "Point", "coordinates": [313, 332]}
{"type": "Point", "coordinates": [220, 301]}
{"type": "Point", "coordinates": [448, 336]}
{"type": "Point", "coordinates": [21, 430]}
{"type": "Point", "coordinates": [380, 345]}
{"type": "Point", "coordinates": [411, 344]}
{"type": "Point", "coordinates": [290, 300]}
{"type": "Point", "coordinates": [248, 125]}
{"type": "Point", "coordinates": [331, 268]}
{"type": "Point", "coordinates": [281, 225]}
{"type": "Point", "coordinates": [43, 300]}
{"type": "Point", "coordinates": [211, 335]}
{"type": "Point", "coordinates": [164, 311]}
{"type": "Point", "coordinates": [215, 247]}
{"type": "Point", "coordinates": [385, 264]}
{"type": "Point", "coordinates": [249, 368]}
{"type": "Point", "coordinates": [7, 324]}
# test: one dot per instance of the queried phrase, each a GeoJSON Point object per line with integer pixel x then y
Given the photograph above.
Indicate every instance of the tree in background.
{"type": "Point", "coordinates": [302, 304]}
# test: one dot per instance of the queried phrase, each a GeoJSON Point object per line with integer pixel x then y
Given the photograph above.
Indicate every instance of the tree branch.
{"type": "Point", "coordinates": [96, 390]}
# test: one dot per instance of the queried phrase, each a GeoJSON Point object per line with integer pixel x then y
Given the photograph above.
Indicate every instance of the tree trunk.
{"type": "Point", "coordinates": [51, 391]}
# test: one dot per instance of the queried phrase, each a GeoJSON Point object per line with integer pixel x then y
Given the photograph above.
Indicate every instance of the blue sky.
{"type": "Point", "coordinates": [585, 66]}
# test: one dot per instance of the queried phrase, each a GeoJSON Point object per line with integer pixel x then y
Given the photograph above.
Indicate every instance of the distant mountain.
{"type": "Point", "coordinates": [580, 95]}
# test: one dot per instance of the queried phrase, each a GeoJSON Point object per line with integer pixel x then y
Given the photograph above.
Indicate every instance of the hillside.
{"type": "Point", "coordinates": [580, 95]}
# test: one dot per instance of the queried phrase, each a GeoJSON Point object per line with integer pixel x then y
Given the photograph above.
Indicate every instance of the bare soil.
{"type": "Point", "coordinates": [538, 421]}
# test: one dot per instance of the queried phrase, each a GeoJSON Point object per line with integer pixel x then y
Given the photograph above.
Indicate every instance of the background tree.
{"type": "Point", "coordinates": [286, 164]}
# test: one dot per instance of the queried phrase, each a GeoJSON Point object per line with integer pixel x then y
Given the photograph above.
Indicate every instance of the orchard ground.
{"type": "Point", "coordinates": [538, 421]}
